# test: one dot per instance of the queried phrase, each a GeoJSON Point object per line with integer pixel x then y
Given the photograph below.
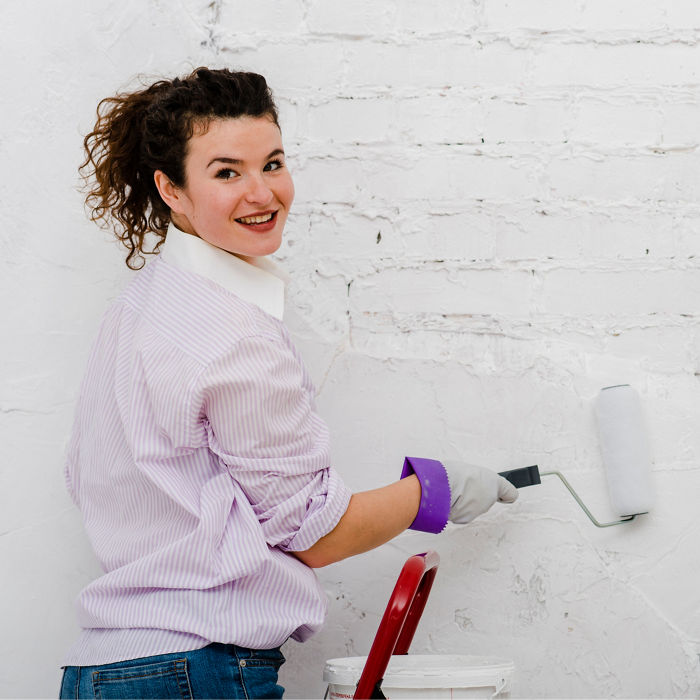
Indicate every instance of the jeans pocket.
{"type": "Point", "coordinates": [258, 675]}
{"type": "Point", "coordinates": [163, 679]}
{"type": "Point", "coordinates": [266, 657]}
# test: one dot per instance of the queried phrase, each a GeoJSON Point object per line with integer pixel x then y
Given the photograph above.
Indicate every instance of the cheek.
{"type": "Point", "coordinates": [212, 201]}
{"type": "Point", "coordinates": [287, 191]}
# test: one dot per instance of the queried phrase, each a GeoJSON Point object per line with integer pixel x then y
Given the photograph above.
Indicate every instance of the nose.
{"type": "Point", "coordinates": [258, 191]}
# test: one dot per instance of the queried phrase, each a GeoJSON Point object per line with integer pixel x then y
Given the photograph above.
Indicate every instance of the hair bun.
{"type": "Point", "coordinates": [204, 74]}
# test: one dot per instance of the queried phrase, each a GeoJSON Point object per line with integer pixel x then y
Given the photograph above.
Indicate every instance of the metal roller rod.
{"type": "Point", "coordinates": [583, 506]}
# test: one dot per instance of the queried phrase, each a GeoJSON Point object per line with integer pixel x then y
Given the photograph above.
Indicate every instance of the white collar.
{"type": "Point", "coordinates": [259, 283]}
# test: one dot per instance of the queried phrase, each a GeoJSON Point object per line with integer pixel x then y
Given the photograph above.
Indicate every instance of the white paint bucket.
{"type": "Point", "coordinates": [418, 676]}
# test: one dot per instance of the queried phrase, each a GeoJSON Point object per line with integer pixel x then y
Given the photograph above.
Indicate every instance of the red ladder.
{"type": "Point", "coordinates": [399, 622]}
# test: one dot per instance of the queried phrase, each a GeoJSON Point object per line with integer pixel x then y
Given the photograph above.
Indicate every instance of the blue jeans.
{"type": "Point", "coordinates": [216, 671]}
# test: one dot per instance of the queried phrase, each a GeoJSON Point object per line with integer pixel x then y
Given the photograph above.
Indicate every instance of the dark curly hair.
{"type": "Point", "coordinates": [140, 132]}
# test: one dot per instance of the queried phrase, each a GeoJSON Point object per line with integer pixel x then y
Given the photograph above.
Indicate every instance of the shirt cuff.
{"type": "Point", "coordinates": [434, 508]}
{"type": "Point", "coordinates": [324, 512]}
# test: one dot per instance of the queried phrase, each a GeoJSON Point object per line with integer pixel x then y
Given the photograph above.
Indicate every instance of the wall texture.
{"type": "Point", "coordinates": [497, 214]}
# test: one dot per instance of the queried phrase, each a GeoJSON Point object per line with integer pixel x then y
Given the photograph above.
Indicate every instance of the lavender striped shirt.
{"type": "Point", "coordinates": [198, 463]}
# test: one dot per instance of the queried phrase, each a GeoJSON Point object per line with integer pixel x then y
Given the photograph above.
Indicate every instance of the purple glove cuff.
{"type": "Point", "coordinates": [434, 506]}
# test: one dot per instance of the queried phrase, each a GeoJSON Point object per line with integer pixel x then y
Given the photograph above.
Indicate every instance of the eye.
{"type": "Point", "coordinates": [226, 174]}
{"type": "Point", "coordinates": [273, 165]}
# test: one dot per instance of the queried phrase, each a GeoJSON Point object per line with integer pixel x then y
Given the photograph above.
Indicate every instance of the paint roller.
{"type": "Point", "coordinates": [625, 451]}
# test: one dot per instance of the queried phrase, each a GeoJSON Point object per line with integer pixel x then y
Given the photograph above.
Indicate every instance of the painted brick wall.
{"type": "Point", "coordinates": [497, 214]}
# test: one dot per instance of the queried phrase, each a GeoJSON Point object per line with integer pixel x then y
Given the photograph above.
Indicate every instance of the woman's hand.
{"type": "Point", "coordinates": [474, 490]}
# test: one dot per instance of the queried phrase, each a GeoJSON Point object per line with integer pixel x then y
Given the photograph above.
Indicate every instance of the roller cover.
{"type": "Point", "coordinates": [625, 449]}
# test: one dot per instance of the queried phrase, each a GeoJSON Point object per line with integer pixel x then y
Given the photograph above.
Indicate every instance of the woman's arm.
{"type": "Point", "coordinates": [372, 518]}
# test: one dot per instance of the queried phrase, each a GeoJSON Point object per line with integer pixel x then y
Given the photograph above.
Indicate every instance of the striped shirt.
{"type": "Point", "coordinates": [198, 463]}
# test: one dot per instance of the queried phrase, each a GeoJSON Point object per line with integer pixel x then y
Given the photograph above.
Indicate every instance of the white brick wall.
{"type": "Point", "coordinates": [497, 214]}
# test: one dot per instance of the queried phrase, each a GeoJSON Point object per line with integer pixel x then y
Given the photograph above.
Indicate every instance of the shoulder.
{"type": "Point", "coordinates": [196, 315]}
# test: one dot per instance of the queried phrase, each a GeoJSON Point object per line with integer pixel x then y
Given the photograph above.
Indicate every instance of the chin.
{"type": "Point", "coordinates": [256, 251]}
{"type": "Point", "coordinates": [266, 247]}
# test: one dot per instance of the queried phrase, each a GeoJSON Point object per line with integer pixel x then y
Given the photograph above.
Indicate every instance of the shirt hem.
{"type": "Point", "coordinates": [105, 646]}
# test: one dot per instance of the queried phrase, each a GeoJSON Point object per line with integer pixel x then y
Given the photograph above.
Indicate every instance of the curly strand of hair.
{"type": "Point", "coordinates": [117, 197]}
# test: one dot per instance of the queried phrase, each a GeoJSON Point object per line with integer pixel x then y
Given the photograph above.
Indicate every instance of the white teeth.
{"type": "Point", "coordinates": [255, 219]}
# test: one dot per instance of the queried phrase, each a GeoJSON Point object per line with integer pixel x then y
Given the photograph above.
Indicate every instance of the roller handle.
{"type": "Point", "coordinates": [525, 476]}
{"type": "Point", "coordinates": [530, 476]}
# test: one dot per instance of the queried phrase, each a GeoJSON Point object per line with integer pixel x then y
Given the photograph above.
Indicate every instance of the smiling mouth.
{"type": "Point", "coordinates": [258, 219]}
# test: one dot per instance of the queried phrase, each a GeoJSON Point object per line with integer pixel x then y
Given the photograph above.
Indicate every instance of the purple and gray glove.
{"type": "Point", "coordinates": [455, 492]}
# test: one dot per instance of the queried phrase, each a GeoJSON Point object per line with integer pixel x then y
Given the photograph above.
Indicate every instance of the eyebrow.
{"type": "Point", "coordinates": [237, 161]}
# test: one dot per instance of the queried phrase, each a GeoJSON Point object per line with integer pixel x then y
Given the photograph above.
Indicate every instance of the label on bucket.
{"type": "Point", "coordinates": [425, 676]}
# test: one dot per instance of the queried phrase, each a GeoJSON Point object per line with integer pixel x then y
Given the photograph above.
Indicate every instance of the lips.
{"type": "Point", "coordinates": [260, 222]}
{"type": "Point", "coordinates": [256, 218]}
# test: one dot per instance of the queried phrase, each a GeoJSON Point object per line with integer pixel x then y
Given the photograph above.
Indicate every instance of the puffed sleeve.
{"type": "Point", "coordinates": [258, 404]}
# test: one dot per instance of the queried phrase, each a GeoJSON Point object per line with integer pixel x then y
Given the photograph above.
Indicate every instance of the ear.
{"type": "Point", "coordinates": [172, 195]}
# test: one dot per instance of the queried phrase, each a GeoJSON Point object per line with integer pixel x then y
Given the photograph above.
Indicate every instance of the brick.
{"type": "Point", "coordinates": [593, 15]}
{"type": "Point", "coordinates": [680, 123]}
{"type": "Point", "coordinates": [342, 234]}
{"type": "Point", "coordinates": [462, 236]}
{"type": "Point", "coordinates": [312, 66]}
{"type": "Point", "coordinates": [260, 17]}
{"type": "Point", "coordinates": [424, 16]}
{"type": "Point", "coordinates": [619, 292]}
{"type": "Point", "coordinates": [535, 236]}
{"type": "Point", "coordinates": [352, 120]}
{"type": "Point", "coordinates": [327, 180]}
{"type": "Point", "coordinates": [448, 175]}
{"type": "Point", "coordinates": [533, 120]}
{"type": "Point", "coordinates": [586, 235]}
{"type": "Point", "coordinates": [686, 224]}
{"type": "Point", "coordinates": [574, 14]}
{"type": "Point", "coordinates": [443, 291]}
{"type": "Point", "coordinates": [620, 65]}
{"type": "Point", "coordinates": [438, 63]}
{"type": "Point", "coordinates": [288, 117]}
{"type": "Point", "coordinates": [601, 123]}
{"type": "Point", "coordinates": [447, 117]}
{"type": "Point", "coordinates": [682, 13]}
{"type": "Point", "coordinates": [666, 177]}
{"type": "Point", "coordinates": [357, 18]}
{"type": "Point", "coordinates": [663, 348]}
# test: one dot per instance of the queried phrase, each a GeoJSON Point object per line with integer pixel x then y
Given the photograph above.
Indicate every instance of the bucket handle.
{"type": "Point", "coordinates": [399, 622]}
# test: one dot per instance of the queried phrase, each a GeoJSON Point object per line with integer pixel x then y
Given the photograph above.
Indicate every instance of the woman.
{"type": "Point", "coordinates": [197, 459]}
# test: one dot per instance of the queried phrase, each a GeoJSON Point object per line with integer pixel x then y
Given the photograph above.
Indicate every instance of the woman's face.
{"type": "Point", "coordinates": [238, 190]}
